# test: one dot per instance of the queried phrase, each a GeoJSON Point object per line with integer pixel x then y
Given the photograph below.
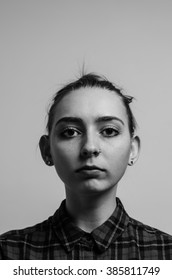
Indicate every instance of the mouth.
{"type": "Point", "coordinates": [90, 169]}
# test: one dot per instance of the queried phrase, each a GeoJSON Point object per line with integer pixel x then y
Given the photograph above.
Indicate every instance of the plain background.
{"type": "Point", "coordinates": [44, 45]}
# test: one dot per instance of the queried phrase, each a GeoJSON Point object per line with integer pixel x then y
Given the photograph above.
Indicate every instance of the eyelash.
{"type": "Point", "coordinates": [67, 129]}
{"type": "Point", "coordinates": [114, 131]}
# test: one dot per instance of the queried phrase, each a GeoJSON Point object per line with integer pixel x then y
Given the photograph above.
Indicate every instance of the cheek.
{"type": "Point", "coordinates": [62, 163]}
{"type": "Point", "coordinates": [118, 165]}
{"type": "Point", "coordinates": [119, 155]}
{"type": "Point", "coordinates": [62, 155]}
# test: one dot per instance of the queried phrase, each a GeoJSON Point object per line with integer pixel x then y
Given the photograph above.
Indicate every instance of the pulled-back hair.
{"type": "Point", "coordinates": [92, 80]}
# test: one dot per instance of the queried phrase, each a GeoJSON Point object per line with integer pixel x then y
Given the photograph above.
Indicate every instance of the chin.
{"type": "Point", "coordinates": [94, 186]}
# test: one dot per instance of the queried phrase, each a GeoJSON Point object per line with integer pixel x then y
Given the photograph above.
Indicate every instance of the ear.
{"type": "Point", "coordinates": [44, 145]}
{"type": "Point", "coordinates": [135, 150]}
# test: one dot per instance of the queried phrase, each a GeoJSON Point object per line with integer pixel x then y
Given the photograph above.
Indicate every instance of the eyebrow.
{"type": "Point", "coordinates": [79, 120]}
{"type": "Point", "coordinates": [109, 118]}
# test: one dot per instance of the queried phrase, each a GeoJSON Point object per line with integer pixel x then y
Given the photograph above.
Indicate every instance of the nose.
{"type": "Point", "coordinates": [90, 147]}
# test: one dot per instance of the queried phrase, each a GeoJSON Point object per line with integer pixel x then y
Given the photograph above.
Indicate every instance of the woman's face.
{"type": "Point", "coordinates": [90, 143]}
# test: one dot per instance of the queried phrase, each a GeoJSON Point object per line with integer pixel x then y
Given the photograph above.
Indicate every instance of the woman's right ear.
{"type": "Point", "coordinates": [44, 145]}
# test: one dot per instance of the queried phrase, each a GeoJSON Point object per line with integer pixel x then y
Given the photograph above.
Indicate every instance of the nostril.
{"type": "Point", "coordinates": [85, 153]}
{"type": "Point", "coordinates": [90, 153]}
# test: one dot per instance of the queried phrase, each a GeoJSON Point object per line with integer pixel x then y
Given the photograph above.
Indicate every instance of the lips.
{"type": "Point", "coordinates": [89, 168]}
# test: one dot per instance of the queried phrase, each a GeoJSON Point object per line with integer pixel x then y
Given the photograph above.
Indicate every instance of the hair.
{"type": "Point", "coordinates": [92, 80]}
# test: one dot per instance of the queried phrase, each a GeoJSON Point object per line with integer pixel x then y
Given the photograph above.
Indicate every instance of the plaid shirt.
{"type": "Point", "coordinates": [120, 237]}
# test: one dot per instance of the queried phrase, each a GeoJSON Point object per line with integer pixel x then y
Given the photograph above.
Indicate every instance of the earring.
{"type": "Point", "coordinates": [48, 161]}
{"type": "Point", "coordinates": [131, 162]}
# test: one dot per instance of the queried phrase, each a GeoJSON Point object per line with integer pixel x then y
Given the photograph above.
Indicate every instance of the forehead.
{"type": "Point", "coordinates": [89, 103]}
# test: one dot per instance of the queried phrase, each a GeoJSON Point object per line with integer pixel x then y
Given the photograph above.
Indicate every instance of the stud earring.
{"type": "Point", "coordinates": [48, 161]}
{"type": "Point", "coordinates": [131, 162]}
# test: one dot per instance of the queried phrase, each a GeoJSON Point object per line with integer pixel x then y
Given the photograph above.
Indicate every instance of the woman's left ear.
{"type": "Point", "coordinates": [44, 145]}
{"type": "Point", "coordinates": [135, 150]}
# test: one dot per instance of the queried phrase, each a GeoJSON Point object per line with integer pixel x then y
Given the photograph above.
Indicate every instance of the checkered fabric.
{"type": "Point", "coordinates": [57, 238]}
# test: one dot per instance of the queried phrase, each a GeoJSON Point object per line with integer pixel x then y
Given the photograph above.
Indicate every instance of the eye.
{"type": "Point", "coordinates": [70, 132]}
{"type": "Point", "coordinates": [110, 132]}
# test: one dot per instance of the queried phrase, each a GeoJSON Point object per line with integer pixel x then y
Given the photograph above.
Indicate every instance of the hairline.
{"type": "Point", "coordinates": [76, 85]}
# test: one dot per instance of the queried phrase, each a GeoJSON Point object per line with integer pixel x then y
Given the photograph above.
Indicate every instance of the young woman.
{"type": "Point", "coordinates": [91, 139]}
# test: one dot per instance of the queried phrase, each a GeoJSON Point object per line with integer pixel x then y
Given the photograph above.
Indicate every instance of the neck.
{"type": "Point", "coordinates": [91, 210]}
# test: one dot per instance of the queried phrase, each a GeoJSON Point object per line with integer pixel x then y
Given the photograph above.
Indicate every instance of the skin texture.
{"type": "Point", "coordinates": [90, 139]}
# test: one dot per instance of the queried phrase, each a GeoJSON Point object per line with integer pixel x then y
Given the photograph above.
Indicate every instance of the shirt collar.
{"type": "Point", "coordinates": [103, 235]}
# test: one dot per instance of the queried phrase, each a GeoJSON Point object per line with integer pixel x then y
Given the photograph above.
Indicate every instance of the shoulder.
{"type": "Point", "coordinates": [32, 234]}
{"type": "Point", "coordinates": [30, 242]}
{"type": "Point", "coordinates": [21, 234]}
{"type": "Point", "coordinates": [148, 233]}
{"type": "Point", "coordinates": [140, 231]}
{"type": "Point", "coordinates": [20, 244]}
{"type": "Point", "coordinates": [37, 230]}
